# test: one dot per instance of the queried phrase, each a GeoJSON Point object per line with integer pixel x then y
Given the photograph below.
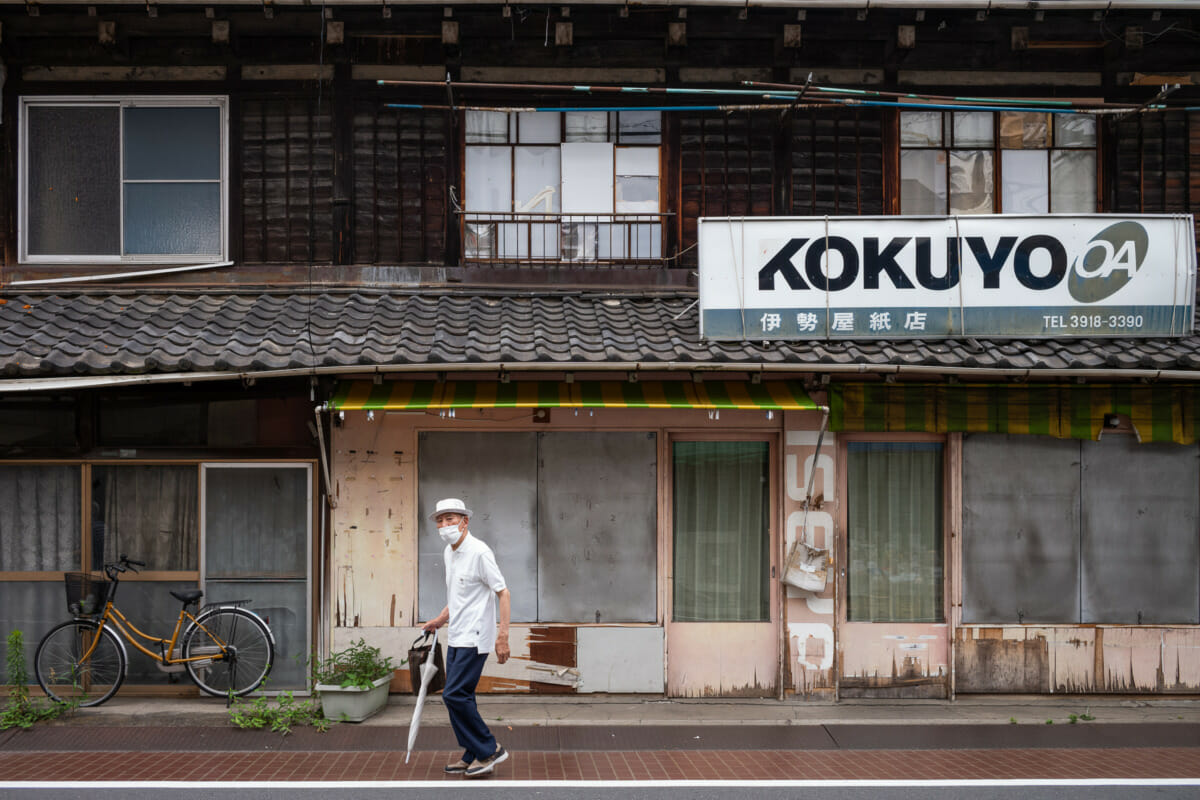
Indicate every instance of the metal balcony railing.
{"type": "Point", "coordinates": [524, 239]}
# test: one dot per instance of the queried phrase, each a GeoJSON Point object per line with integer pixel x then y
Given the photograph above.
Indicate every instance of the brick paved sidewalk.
{"type": "Point", "coordinates": [614, 765]}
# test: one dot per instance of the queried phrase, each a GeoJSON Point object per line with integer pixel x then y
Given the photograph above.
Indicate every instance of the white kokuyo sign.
{"type": "Point", "coordinates": [920, 277]}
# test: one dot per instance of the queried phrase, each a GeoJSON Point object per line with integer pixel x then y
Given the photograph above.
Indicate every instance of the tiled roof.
{"type": "Point", "coordinates": [90, 334]}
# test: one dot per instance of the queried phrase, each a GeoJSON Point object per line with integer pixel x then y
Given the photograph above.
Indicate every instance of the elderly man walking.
{"type": "Point", "coordinates": [474, 589]}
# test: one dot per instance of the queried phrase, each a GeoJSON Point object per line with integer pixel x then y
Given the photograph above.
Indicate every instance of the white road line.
{"type": "Point", "coordinates": [501, 784]}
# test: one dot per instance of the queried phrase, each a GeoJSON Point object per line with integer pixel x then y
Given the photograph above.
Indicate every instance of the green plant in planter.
{"type": "Point", "coordinates": [358, 667]}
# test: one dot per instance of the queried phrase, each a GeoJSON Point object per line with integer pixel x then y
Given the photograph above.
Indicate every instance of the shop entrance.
{"type": "Point", "coordinates": [892, 637]}
{"type": "Point", "coordinates": [722, 636]}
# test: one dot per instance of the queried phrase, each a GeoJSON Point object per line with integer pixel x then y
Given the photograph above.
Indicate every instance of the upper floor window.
{"type": "Point", "coordinates": [570, 186]}
{"type": "Point", "coordinates": [123, 179]}
{"type": "Point", "coordinates": [984, 162]}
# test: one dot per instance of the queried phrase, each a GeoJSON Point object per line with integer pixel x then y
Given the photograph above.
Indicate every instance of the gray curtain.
{"type": "Point", "coordinates": [39, 518]}
{"type": "Point", "coordinates": [149, 514]}
{"type": "Point", "coordinates": [722, 539]}
{"type": "Point", "coordinates": [894, 493]}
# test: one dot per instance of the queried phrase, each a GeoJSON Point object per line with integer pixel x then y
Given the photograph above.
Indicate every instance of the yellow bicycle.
{"type": "Point", "coordinates": [227, 650]}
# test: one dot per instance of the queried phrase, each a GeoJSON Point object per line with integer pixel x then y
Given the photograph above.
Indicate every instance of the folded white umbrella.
{"type": "Point", "coordinates": [428, 670]}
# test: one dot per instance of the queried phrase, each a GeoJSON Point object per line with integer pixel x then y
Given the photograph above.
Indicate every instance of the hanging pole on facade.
{"type": "Point", "coordinates": [329, 498]}
{"type": "Point", "coordinates": [812, 474]}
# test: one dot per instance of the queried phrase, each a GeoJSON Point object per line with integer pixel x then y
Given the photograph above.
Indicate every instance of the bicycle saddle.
{"type": "Point", "coordinates": [190, 596]}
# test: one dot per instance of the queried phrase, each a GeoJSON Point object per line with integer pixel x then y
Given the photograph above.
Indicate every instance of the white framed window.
{"type": "Point", "coordinates": [984, 162]}
{"type": "Point", "coordinates": [123, 179]}
{"type": "Point", "coordinates": [571, 186]}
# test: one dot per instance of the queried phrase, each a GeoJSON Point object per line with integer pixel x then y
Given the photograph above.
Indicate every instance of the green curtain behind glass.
{"type": "Point", "coordinates": [722, 539]}
{"type": "Point", "coordinates": [895, 531]}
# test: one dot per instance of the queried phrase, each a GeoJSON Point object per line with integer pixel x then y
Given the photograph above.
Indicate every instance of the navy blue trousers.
{"type": "Point", "coordinates": [464, 665]}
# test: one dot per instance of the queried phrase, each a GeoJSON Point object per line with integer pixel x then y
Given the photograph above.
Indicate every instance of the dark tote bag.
{"type": "Point", "coordinates": [417, 656]}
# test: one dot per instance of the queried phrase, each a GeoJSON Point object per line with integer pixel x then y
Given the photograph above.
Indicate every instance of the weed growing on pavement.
{"type": "Point", "coordinates": [1049, 722]}
{"type": "Point", "coordinates": [23, 711]}
{"type": "Point", "coordinates": [1073, 718]}
{"type": "Point", "coordinates": [280, 716]}
{"type": "Point", "coordinates": [1087, 717]}
{"type": "Point", "coordinates": [1012, 720]}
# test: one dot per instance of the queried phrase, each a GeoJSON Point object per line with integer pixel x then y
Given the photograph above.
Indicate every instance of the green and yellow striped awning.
{"type": "Point", "coordinates": [421, 395]}
{"type": "Point", "coordinates": [1160, 413]}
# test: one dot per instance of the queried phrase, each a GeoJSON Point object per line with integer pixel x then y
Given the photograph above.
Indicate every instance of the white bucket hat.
{"type": "Point", "coordinates": [451, 505]}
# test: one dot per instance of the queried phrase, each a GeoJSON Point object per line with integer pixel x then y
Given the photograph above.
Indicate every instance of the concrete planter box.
{"type": "Point", "coordinates": [353, 704]}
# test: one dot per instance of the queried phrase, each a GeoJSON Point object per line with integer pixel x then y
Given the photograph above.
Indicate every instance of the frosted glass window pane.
{"type": "Point", "coordinates": [1024, 130]}
{"type": "Point", "coordinates": [920, 128]}
{"type": "Point", "coordinates": [973, 129]}
{"type": "Point", "coordinates": [971, 186]}
{"type": "Point", "coordinates": [40, 522]}
{"type": "Point", "coordinates": [487, 126]}
{"type": "Point", "coordinates": [640, 127]}
{"type": "Point", "coordinates": [172, 218]}
{"type": "Point", "coordinates": [74, 194]}
{"type": "Point", "coordinates": [637, 161]}
{"type": "Point", "coordinates": [1074, 130]}
{"type": "Point", "coordinates": [257, 522]}
{"type": "Point", "coordinates": [489, 179]}
{"type": "Point", "coordinates": [587, 178]}
{"type": "Point", "coordinates": [637, 195]}
{"type": "Point", "coordinates": [173, 143]}
{"type": "Point", "coordinates": [537, 179]}
{"type": "Point", "coordinates": [587, 126]}
{"type": "Point", "coordinates": [1073, 181]}
{"type": "Point", "coordinates": [1025, 190]}
{"type": "Point", "coordinates": [538, 127]}
{"type": "Point", "coordinates": [543, 240]}
{"type": "Point", "coordinates": [923, 182]}
{"type": "Point", "coordinates": [645, 241]}
{"type": "Point", "coordinates": [579, 240]}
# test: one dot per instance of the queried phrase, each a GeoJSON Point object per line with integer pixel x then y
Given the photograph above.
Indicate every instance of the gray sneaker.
{"type": "Point", "coordinates": [481, 769]}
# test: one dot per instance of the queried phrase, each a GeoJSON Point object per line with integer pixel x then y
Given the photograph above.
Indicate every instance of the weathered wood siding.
{"type": "Point", "coordinates": [285, 158]}
{"type": "Point", "coordinates": [401, 180]}
{"type": "Point", "coordinates": [836, 163]}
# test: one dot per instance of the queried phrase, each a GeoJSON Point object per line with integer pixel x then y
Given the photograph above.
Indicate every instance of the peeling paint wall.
{"type": "Point", "coordinates": [373, 542]}
{"type": "Point", "coordinates": [1073, 659]}
{"type": "Point", "coordinates": [809, 616]}
{"type": "Point", "coordinates": [894, 660]}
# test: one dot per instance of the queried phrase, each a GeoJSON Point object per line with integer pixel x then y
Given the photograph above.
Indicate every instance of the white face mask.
{"type": "Point", "coordinates": [450, 534]}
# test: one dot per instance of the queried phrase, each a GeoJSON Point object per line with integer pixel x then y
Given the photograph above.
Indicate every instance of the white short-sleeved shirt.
{"type": "Point", "coordinates": [472, 581]}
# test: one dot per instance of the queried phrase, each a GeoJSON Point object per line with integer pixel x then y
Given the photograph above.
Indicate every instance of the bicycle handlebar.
{"type": "Point", "coordinates": [122, 564]}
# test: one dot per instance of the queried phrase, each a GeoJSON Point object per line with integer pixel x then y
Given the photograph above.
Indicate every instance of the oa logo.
{"type": "Point", "coordinates": [1109, 262]}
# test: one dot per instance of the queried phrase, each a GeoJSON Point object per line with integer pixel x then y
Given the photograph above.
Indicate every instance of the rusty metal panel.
{"type": "Point", "coordinates": [495, 475]}
{"type": "Point", "coordinates": [597, 524]}
{"type": "Point", "coordinates": [626, 660]}
{"type": "Point", "coordinates": [1000, 660]}
{"type": "Point", "coordinates": [1020, 547]}
{"type": "Point", "coordinates": [1139, 549]}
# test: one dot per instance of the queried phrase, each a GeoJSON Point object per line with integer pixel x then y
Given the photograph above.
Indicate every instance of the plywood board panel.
{"type": "Point", "coordinates": [621, 660]}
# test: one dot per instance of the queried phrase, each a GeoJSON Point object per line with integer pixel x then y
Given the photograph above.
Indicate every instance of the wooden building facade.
{"type": "Point", "coordinates": [276, 250]}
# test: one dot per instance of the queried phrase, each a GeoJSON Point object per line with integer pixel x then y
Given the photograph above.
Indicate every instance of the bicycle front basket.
{"type": "Point", "coordinates": [86, 594]}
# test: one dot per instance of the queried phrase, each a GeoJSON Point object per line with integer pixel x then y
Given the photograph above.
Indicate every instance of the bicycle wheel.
{"type": "Point", "coordinates": [65, 678]}
{"type": "Point", "coordinates": [246, 642]}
